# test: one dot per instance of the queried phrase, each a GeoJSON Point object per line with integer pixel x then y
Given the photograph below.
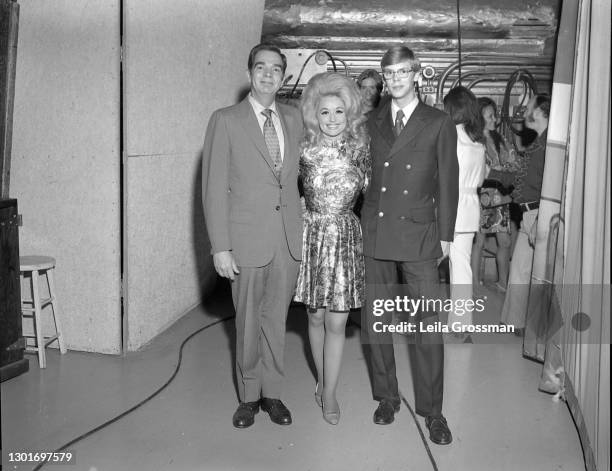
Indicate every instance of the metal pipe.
{"type": "Point", "coordinates": [497, 78]}
{"type": "Point", "coordinates": [476, 81]}
{"type": "Point", "coordinates": [520, 63]}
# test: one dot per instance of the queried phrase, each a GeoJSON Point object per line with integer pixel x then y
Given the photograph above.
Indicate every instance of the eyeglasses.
{"type": "Point", "coordinates": [400, 74]}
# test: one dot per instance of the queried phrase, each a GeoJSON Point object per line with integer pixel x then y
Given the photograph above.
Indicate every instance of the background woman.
{"type": "Point", "coordinates": [495, 213]}
{"type": "Point", "coordinates": [370, 85]}
{"type": "Point", "coordinates": [335, 168]}
{"type": "Point", "coordinates": [462, 106]}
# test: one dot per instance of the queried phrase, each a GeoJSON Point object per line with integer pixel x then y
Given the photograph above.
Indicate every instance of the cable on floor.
{"type": "Point", "coordinates": [144, 401]}
{"type": "Point", "coordinates": [176, 370]}
{"type": "Point", "coordinates": [412, 413]}
{"type": "Point", "coordinates": [423, 439]}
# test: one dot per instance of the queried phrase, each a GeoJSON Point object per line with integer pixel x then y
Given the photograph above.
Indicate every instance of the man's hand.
{"type": "Point", "coordinates": [225, 264]}
{"type": "Point", "coordinates": [445, 248]}
{"type": "Point", "coordinates": [445, 245]}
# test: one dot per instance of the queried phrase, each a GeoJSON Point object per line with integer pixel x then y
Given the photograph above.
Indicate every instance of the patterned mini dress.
{"type": "Point", "coordinates": [332, 270]}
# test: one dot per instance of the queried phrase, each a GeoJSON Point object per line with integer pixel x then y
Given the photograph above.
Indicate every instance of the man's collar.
{"type": "Point", "coordinates": [542, 136]}
{"type": "Point", "coordinates": [406, 109]}
{"type": "Point", "coordinates": [258, 107]}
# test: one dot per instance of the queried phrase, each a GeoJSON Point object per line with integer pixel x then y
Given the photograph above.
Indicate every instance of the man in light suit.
{"type": "Point", "coordinates": [253, 217]}
{"type": "Point", "coordinates": [409, 208]}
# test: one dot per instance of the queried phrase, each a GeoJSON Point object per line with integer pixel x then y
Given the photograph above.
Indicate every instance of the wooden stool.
{"type": "Point", "coordinates": [32, 266]}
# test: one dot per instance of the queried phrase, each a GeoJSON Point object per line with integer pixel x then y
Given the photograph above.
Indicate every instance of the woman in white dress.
{"type": "Point", "coordinates": [462, 106]}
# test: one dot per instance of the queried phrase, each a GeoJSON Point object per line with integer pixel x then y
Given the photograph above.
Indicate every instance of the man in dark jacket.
{"type": "Point", "coordinates": [408, 220]}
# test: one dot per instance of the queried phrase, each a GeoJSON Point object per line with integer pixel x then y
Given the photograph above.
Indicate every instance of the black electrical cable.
{"type": "Point", "coordinates": [300, 74]}
{"type": "Point", "coordinates": [306, 62]}
{"type": "Point", "coordinates": [176, 370]}
{"type": "Point", "coordinates": [459, 40]}
{"type": "Point", "coordinates": [434, 465]}
{"type": "Point", "coordinates": [531, 88]}
{"type": "Point", "coordinates": [147, 399]}
{"type": "Point", "coordinates": [423, 439]}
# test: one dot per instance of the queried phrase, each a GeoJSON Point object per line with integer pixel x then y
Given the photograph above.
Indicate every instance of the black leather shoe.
{"type": "Point", "coordinates": [245, 414]}
{"type": "Point", "coordinates": [439, 433]}
{"type": "Point", "coordinates": [279, 414]}
{"type": "Point", "coordinates": [385, 412]}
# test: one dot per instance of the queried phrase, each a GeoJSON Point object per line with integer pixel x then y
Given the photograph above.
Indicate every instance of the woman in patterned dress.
{"type": "Point", "coordinates": [495, 196]}
{"type": "Point", "coordinates": [334, 167]}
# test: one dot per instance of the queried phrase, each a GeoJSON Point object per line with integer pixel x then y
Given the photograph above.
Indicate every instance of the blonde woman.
{"type": "Point", "coordinates": [335, 168]}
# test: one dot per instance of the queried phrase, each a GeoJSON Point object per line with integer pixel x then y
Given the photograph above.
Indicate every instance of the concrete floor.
{"type": "Point", "coordinates": [498, 418]}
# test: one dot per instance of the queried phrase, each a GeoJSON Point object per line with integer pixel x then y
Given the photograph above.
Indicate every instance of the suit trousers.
{"type": "Point", "coordinates": [514, 310]}
{"type": "Point", "coordinates": [426, 352]}
{"type": "Point", "coordinates": [461, 289]}
{"type": "Point", "coordinates": [261, 298]}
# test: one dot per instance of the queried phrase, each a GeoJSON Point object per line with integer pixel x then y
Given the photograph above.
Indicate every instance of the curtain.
{"type": "Point", "coordinates": [570, 292]}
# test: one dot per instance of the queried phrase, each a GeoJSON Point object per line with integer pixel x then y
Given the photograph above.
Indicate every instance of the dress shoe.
{"type": "Point", "coordinates": [318, 395]}
{"type": "Point", "coordinates": [439, 433]}
{"type": "Point", "coordinates": [279, 414]}
{"type": "Point", "coordinates": [331, 416]}
{"type": "Point", "coordinates": [385, 412]}
{"type": "Point", "coordinates": [245, 414]}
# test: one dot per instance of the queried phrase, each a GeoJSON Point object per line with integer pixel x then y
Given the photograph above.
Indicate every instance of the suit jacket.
{"type": "Point", "coordinates": [241, 195]}
{"type": "Point", "coordinates": [411, 203]}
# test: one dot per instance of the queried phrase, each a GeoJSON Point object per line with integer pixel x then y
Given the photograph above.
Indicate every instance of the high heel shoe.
{"type": "Point", "coordinates": [331, 417]}
{"type": "Point", "coordinates": [318, 396]}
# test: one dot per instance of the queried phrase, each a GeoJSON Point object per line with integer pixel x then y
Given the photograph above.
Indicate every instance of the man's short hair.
{"type": "Point", "coordinates": [397, 54]}
{"type": "Point", "coordinates": [372, 74]}
{"type": "Point", "coordinates": [265, 47]}
{"type": "Point", "coordinates": [542, 101]}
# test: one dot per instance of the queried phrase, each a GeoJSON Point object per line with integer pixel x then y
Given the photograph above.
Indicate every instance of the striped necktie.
{"type": "Point", "coordinates": [399, 123]}
{"type": "Point", "coordinates": [272, 141]}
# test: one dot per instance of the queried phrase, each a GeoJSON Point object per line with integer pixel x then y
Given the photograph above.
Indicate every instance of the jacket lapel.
{"type": "Point", "coordinates": [413, 127]}
{"type": "Point", "coordinates": [249, 122]}
{"type": "Point", "coordinates": [383, 123]}
{"type": "Point", "coordinates": [288, 159]}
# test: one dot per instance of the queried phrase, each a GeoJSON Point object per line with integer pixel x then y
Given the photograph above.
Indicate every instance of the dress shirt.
{"type": "Point", "coordinates": [408, 109]}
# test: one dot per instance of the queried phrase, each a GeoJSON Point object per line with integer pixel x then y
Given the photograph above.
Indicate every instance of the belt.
{"type": "Point", "coordinates": [529, 206]}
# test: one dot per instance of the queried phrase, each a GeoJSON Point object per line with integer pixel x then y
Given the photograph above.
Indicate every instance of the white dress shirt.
{"type": "Point", "coordinates": [408, 110]}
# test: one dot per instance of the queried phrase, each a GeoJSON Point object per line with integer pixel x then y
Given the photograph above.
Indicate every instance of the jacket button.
{"type": "Point", "coordinates": [405, 192]}
{"type": "Point", "coordinates": [383, 189]}
{"type": "Point", "coordinates": [277, 208]}
{"type": "Point", "coordinates": [381, 214]}
{"type": "Point", "coordinates": [408, 167]}
{"type": "Point", "coordinates": [402, 217]}
{"type": "Point", "coordinates": [386, 164]}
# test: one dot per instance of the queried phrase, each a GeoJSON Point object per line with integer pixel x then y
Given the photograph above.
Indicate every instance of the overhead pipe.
{"type": "Point", "coordinates": [481, 63]}
{"type": "Point", "coordinates": [508, 74]}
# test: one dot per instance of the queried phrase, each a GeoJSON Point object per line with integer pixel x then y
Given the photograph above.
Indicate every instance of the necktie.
{"type": "Point", "coordinates": [399, 123]}
{"type": "Point", "coordinates": [272, 141]}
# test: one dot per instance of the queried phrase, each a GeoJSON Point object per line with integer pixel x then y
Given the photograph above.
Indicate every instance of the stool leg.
{"type": "Point", "coordinates": [56, 317]}
{"type": "Point", "coordinates": [40, 340]}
